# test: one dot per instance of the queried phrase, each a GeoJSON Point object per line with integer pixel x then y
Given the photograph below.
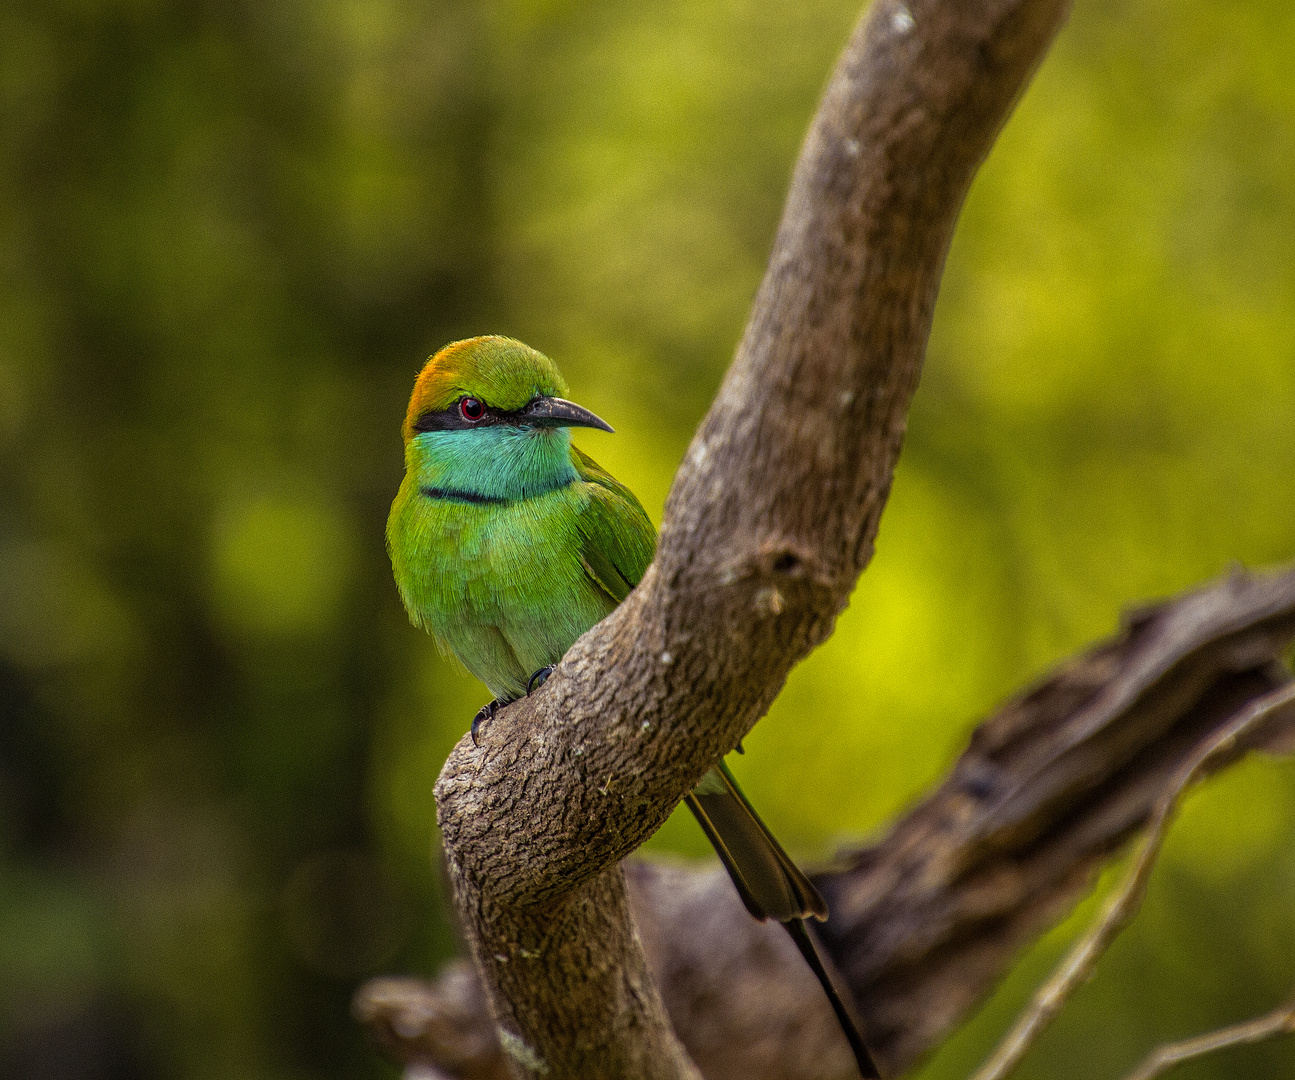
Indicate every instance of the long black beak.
{"type": "Point", "coordinates": [558, 412]}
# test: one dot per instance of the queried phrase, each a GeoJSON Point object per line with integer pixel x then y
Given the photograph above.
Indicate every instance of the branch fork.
{"type": "Point", "coordinates": [771, 519]}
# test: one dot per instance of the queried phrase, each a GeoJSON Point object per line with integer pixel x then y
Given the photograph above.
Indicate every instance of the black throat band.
{"type": "Point", "coordinates": [455, 495]}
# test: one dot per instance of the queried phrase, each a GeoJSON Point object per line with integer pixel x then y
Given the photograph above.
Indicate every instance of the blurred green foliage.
{"type": "Point", "coordinates": [231, 233]}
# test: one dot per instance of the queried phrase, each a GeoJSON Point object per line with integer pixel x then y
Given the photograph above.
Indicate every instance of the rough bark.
{"type": "Point", "coordinates": [770, 521]}
{"type": "Point", "coordinates": [926, 921]}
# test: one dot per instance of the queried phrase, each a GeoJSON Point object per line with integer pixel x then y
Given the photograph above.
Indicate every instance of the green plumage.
{"type": "Point", "coordinates": [507, 587]}
{"type": "Point", "coordinates": [508, 543]}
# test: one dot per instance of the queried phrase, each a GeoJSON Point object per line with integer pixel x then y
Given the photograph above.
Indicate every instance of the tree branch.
{"type": "Point", "coordinates": [1123, 904]}
{"type": "Point", "coordinates": [926, 921]}
{"type": "Point", "coordinates": [769, 523]}
{"type": "Point", "coordinates": [1281, 1021]}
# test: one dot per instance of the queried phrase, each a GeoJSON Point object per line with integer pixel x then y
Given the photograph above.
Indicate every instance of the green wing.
{"type": "Point", "coordinates": [617, 539]}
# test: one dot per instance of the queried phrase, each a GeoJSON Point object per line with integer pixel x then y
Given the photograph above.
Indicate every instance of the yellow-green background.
{"type": "Point", "coordinates": [230, 233]}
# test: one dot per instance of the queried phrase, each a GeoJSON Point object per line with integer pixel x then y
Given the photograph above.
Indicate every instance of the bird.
{"type": "Point", "coordinates": [507, 542]}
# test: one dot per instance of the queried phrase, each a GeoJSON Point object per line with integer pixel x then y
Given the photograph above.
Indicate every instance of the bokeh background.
{"type": "Point", "coordinates": [229, 234]}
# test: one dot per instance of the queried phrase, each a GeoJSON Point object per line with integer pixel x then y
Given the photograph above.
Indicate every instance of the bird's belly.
{"type": "Point", "coordinates": [510, 594]}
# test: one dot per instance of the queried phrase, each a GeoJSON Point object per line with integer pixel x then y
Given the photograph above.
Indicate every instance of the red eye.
{"type": "Point", "coordinates": [471, 409]}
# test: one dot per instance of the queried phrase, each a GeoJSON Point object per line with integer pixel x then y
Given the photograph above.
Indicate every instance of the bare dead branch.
{"type": "Point", "coordinates": [1281, 1021]}
{"type": "Point", "coordinates": [445, 1025]}
{"type": "Point", "coordinates": [1123, 904]}
{"type": "Point", "coordinates": [768, 525]}
{"type": "Point", "coordinates": [926, 921]}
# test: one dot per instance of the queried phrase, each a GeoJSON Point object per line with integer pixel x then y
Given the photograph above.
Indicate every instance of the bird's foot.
{"type": "Point", "coordinates": [487, 713]}
{"type": "Point", "coordinates": [538, 679]}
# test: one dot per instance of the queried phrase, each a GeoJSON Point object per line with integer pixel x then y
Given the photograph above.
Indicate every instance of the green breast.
{"type": "Point", "coordinates": [501, 585]}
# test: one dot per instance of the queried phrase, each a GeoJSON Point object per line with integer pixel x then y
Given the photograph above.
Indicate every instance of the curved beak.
{"type": "Point", "coordinates": [558, 412]}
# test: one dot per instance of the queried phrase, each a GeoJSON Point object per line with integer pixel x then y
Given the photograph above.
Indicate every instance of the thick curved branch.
{"type": "Point", "coordinates": [770, 521]}
{"type": "Point", "coordinates": [925, 922]}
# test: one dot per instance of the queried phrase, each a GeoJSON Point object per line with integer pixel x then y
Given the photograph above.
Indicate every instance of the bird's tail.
{"type": "Point", "coordinates": [769, 883]}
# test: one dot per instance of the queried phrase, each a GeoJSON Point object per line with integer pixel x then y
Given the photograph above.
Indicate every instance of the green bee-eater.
{"type": "Point", "coordinates": [508, 543]}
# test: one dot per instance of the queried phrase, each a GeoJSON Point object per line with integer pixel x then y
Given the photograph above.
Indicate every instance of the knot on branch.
{"type": "Point", "coordinates": [785, 575]}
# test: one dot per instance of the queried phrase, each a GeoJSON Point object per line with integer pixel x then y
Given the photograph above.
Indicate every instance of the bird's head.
{"type": "Point", "coordinates": [491, 381]}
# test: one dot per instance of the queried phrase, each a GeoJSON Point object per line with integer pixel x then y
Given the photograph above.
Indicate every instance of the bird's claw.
{"type": "Point", "coordinates": [538, 679]}
{"type": "Point", "coordinates": [487, 712]}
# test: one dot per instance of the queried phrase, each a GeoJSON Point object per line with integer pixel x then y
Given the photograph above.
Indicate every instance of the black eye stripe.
{"type": "Point", "coordinates": [452, 419]}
